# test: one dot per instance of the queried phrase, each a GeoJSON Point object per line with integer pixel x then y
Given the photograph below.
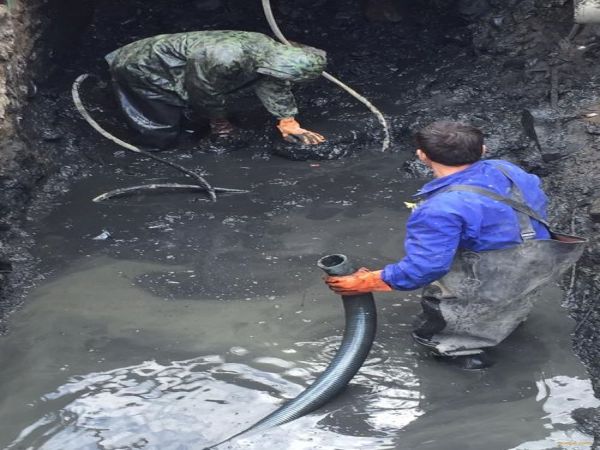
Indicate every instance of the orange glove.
{"type": "Point", "coordinates": [360, 282]}
{"type": "Point", "coordinates": [291, 132]}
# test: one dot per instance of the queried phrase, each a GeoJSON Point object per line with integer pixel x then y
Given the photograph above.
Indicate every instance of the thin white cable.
{"type": "Point", "coordinates": [132, 148]}
{"type": "Point", "coordinates": [277, 32]}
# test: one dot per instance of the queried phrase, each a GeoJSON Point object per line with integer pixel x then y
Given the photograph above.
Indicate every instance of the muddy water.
{"type": "Point", "coordinates": [193, 320]}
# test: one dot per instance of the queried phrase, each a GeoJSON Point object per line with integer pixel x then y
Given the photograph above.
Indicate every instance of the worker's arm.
{"type": "Point", "coordinates": [277, 98]}
{"type": "Point", "coordinates": [432, 238]}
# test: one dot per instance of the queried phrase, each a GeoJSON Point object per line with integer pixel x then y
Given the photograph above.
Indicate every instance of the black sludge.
{"type": "Point", "coordinates": [361, 325]}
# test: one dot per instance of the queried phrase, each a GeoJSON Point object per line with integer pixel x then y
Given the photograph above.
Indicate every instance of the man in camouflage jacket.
{"type": "Point", "coordinates": [157, 78]}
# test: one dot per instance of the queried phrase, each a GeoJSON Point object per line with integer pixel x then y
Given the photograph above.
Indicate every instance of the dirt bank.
{"type": "Point", "coordinates": [34, 37]}
{"type": "Point", "coordinates": [20, 165]}
{"type": "Point", "coordinates": [518, 69]}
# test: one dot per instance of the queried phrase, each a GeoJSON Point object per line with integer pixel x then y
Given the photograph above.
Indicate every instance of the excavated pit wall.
{"type": "Point", "coordinates": [21, 166]}
{"type": "Point", "coordinates": [19, 30]}
{"type": "Point", "coordinates": [528, 43]}
{"type": "Point", "coordinates": [34, 35]}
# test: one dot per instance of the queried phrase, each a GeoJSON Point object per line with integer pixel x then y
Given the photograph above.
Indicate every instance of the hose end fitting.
{"type": "Point", "coordinates": [336, 265]}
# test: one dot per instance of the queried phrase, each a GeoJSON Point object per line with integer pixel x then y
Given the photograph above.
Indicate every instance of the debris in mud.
{"type": "Point", "coordinates": [102, 236]}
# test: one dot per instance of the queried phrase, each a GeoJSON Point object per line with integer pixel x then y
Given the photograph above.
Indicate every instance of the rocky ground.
{"type": "Point", "coordinates": [518, 69]}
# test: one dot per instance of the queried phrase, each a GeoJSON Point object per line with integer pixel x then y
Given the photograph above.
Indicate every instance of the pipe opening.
{"type": "Point", "coordinates": [330, 261]}
{"type": "Point", "coordinates": [335, 265]}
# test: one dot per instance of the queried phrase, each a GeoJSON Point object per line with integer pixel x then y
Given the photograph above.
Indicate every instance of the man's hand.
{"type": "Point", "coordinates": [221, 127]}
{"type": "Point", "coordinates": [291, 132]}
{"type": "Point", "coordinates": [360, 282]}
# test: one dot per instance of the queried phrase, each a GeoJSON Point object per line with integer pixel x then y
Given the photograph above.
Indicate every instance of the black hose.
{"type": "Point", "coordinates": [361, 324]}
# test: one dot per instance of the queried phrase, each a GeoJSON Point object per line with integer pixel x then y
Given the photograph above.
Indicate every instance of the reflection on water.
{"type": "Point", "coordinates": [189, 404]}
{"type": "Point", "coordinates": [561, 395]}
{"type": "Point", "coordinates": [193, 403]}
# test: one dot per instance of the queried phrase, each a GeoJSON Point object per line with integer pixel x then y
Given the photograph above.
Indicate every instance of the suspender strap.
{"type": "Point", "coordinates": [524, 212]}
{"type": "Point", "coordinates": [517, 194]}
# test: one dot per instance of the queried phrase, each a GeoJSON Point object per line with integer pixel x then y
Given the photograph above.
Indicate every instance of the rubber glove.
{"type": "Point", "coordinates": [291, 132]}
{"type": "Point", "coordinates": [360, 282]}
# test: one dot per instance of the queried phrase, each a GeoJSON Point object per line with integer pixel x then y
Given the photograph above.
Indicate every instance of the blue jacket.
{"type": "Point", "coordinates": [449, 221]}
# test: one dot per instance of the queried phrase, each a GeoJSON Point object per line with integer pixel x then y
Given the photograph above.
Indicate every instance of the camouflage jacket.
{"type": "Point", "coordinates": [203, 68]}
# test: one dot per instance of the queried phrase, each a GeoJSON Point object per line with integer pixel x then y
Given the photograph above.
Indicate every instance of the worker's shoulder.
{"type": "Point", "coordinates": [504, 164]}
{"type": "Point", "coordinates": [525, 180]}
{"type": "Point", "coordinates": [444, 203]}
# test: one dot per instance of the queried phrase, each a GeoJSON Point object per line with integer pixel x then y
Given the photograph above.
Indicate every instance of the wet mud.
{"type": "Point", "coordinates": [175, 268]}
{"type": "Point", "coordinates": [162, 334]}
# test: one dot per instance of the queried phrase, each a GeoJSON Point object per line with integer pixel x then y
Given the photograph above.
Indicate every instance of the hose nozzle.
{"type": "Point", "coordinates": [336, 265]}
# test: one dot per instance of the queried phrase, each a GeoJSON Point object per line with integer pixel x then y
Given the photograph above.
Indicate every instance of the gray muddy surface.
{"type": "Point", "coordinates": [194, 320]}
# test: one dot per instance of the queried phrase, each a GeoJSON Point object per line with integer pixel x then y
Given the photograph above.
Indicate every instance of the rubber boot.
{"type": "Point", "coordinates": [477, 361]}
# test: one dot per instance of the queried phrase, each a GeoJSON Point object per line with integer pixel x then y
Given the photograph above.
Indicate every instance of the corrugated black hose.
{"type": "Point", "coordinates": [361, 324]}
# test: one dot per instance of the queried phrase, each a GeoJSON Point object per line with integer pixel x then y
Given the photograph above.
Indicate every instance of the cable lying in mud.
{"type": "Point", "coordinates": [361, 325]}
{"type": "Point", "coordinates": [203, 184]}
{"type": "Point", "coordinates": [162, 186]}
{"type": "Point", "coordinates": [277, 32]}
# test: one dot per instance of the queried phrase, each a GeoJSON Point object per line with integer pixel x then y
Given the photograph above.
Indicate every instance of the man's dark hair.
{"type": "Point", "coordinates": [451, 143]}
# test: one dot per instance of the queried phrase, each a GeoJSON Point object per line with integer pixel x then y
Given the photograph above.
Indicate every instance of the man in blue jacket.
{"type": "Point", "coordinates": [477, 244]}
